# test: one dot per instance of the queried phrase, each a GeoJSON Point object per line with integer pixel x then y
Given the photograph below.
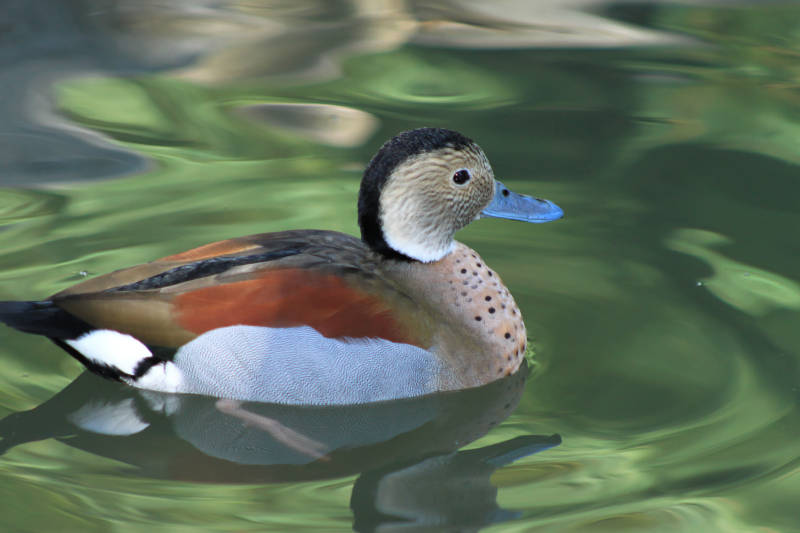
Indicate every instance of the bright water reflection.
{"type": "Point", "coordinates": [663, 308]}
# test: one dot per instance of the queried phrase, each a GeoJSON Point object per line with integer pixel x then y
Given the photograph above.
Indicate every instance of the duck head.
{"type": "Point", "coordinates": [424, 185]}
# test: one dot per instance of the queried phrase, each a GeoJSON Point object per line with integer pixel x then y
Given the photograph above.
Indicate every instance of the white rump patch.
{"type": "Point", "coordinates": [111, 348]}
{"type": "Point", "coordinates": [163, 377]}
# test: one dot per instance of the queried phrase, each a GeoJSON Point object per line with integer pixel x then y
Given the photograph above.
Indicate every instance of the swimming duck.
{"type": "Point", "coordinates": [312, 316]}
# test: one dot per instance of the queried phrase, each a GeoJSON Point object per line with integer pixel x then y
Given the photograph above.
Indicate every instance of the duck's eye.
{"type": "Point", "coordinates": [461, 176]}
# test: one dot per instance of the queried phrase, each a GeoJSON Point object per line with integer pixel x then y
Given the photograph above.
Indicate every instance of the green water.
{"type": "Point", "coordinates": [664, 308]}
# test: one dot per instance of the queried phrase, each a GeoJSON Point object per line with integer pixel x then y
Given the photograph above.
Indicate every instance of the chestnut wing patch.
{"type": "Point", "coordinates": [290, 298]}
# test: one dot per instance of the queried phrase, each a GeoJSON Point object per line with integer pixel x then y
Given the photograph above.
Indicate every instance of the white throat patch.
{"type": "Point", "coordinates": [427, 252]}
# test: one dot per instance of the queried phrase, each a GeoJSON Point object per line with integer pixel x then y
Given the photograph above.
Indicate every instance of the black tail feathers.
{"type": "Point", "coordinates": [42, 318]}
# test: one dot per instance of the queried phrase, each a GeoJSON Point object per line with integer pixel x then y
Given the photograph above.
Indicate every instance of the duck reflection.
{"type": "Point", "coordinates": [402, 450]}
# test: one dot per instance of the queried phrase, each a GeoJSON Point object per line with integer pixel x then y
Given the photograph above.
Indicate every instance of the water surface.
{"type": "Point", "coordinates": [663, 308]}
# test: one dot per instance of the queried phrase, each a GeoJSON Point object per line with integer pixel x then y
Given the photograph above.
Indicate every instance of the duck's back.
{"type": "Point", "coordinates": [323, 279]}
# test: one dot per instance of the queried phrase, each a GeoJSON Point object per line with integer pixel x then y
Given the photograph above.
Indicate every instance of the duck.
{"type": "Point", "coordinates": [316, 317]}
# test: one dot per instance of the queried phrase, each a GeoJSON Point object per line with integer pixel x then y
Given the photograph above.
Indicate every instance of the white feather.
{"type": "Point", "coordinates": [163, 377]}
{"type": "Point", "coordinates": [421, 250]}
{"type": "Point", "coordinates": [111, 348]}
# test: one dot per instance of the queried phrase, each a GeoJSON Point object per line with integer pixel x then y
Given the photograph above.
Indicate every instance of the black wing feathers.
{"type": "Point", "coordinates": [42, 318]}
